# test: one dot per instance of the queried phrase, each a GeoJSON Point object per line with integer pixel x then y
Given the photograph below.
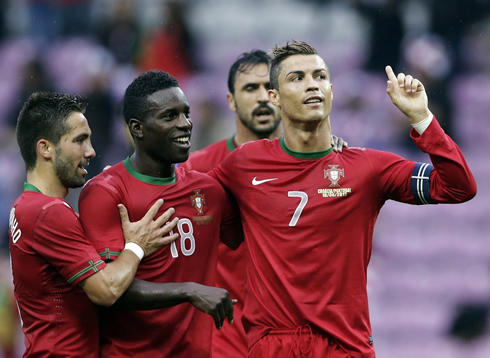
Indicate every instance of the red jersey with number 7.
{"type": "Point", "coordinates": [308, 220]}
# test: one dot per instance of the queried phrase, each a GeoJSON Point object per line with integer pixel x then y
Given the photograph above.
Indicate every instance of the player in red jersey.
{"type": "Point", "coordinates": [256, 118]}
{"type": "Point", "coordinates": [157, 114]}
{"type": "Point", "coordinates": [308, 213]}
{"type": "Point", "coordinates": [52, 261]}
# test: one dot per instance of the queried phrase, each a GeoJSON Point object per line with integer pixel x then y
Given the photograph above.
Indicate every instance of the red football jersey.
{"type": "Point", "coordinates": [308, 220]}
{"type": "Point", "coordinates": [203, 209]}
{"type": "Point", "coordinates": [231, 275]}
{"type": "Point", "coordinates": [50, 256]}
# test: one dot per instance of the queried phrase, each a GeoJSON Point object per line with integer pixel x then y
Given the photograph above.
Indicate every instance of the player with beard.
{"type": "Point", "coordinates": [58, 275]}
{"type": "Point", "coordinates": [158, 117]}
{"type": "Point", "coordinates": [256, 118]}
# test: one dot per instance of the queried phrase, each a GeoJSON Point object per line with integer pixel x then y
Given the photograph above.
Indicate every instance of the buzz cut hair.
{"type": "Point", "coordinates": [135, 103]}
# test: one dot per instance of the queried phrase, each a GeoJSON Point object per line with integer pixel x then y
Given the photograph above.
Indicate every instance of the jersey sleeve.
{"type": "Point", "coordinates": [100, 219]}
{"type": "Point", "coordinates": [447, 179]}
{"type": "Point", "coordinates": [451, 180]}
{"type": "Point", "coordinates": [64, 244]}
{"type": "Point", "coordinates": [231, 230]}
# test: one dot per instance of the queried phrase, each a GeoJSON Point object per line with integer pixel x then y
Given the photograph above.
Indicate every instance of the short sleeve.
{"type": "Point", "coordinates": [100, 219]}
{"type": "Point", "coordinates": [59, 239]}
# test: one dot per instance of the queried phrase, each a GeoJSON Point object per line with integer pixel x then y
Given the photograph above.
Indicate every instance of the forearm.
{"type": "Point", "coordinates": [106, 286]}
{"type": "Point", "coordinates": [452, 180]}
{"type": "Point", "coordinates": [144, 295]}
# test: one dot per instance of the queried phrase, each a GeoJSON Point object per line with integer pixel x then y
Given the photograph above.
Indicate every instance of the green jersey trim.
{"type": "Point", "coordinates": [146, 178]}
{"type": "Point", "coordinates": [31, 187]}
{"type": "Point", "coordinates": [92, 266]}
{"type": "Point", "coordinates": [230, 143]}
{"type": "Point", "coordinates": [303, 155]}
{"type": "Point", "coordinates": [107, 254]}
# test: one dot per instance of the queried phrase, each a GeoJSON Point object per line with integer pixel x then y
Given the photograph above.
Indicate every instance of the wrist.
{"type": "Point", "coordinates": [136, 249]}
{"type": "Point", "coordinates": [422, 125]}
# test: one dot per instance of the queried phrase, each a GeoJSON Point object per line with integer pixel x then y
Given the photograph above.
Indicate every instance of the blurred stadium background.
{"type": "Point", "coordinates": [429, 277]}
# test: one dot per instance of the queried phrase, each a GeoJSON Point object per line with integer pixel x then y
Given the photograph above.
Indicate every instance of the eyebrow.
{"type": "Point", "coordinates": [302, 73]}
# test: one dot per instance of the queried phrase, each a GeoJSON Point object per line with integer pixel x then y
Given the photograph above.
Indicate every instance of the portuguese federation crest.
{"type": "Point", "coordinates": [198, 201]}
{"type": "Point", "coordinates": [334, 174]}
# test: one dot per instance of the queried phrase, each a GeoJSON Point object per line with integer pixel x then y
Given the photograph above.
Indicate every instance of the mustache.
{"type": "Point", "coordinates": [262, 107]}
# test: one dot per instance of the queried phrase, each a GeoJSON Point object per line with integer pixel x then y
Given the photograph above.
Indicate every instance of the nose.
{"type": "Point", "coordinates": [185, 121]}
{"type": "Point", "coordinates": [90, 153]}
{"type": "Point", "coordinates": [311, 84]}
{"type": "Point", "coordinates": [263, 95]}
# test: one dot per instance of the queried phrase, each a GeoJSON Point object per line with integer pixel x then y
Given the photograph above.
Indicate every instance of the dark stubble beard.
{"type": "Point", "coordinates": [260, 131]}
{"type": "Point", "coordinates": [67, 175]}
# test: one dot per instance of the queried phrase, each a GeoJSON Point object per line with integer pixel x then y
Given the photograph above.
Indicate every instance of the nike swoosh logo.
{"type": "Point", "coordinates": [258, 182]}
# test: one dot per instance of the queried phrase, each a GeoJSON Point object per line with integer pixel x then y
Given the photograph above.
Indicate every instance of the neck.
{"type": "Point", "coordinates": [308, 137]}
{"type": "Point", "coordinates": [146, 165]}
{"type": "Point", "coordinates": [244, 135]}
{"type": "Point", "coordinates": [48, 183]}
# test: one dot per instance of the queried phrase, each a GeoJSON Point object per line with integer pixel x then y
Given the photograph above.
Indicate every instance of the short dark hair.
{"type": "Point", "coordinates": [245, 62]}
{"type": "Point", "coordinates": [43, 116]}
{"type": "Point", "coordinates": [136, 104]}
{"type": "Point", "coordinates": [292, 47]}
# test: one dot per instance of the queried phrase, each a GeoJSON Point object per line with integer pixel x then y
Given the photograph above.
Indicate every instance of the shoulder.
{"type": "Point", "coordinates": [107, 178]}
{"type": "Point", "coordinates": [188, 177]}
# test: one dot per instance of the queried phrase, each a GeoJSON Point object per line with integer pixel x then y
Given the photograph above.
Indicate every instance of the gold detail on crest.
{"type": "Point", "coordinates": [198, 201]}
{"type": "Point", "coordinates": [333, 174]}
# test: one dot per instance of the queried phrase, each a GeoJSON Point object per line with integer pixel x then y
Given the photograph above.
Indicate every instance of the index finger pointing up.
{"type": "Point", "coordinates": [391, 74]}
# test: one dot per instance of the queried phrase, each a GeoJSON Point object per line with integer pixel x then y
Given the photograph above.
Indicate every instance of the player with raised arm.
{"type": "Point", "coordinates": [308, 213]}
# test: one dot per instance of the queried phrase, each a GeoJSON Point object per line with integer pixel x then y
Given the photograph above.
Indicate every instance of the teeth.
{"type": "Point", "coordinates": [316, 100]}
{"type": "Point", "coordinates": [182, 139]}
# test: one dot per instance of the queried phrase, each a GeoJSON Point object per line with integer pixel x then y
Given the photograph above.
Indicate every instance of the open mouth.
{"type": "Point", "coordinates": [82, 167]}
{"type": "Point", "coordinates": [185, 140]}
{"type": "Point", "coordinates": [313, 100]}
{"type": "Point", "coordinates": [263, 113]}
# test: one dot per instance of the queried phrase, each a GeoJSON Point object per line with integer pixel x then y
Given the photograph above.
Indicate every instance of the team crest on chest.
{"type": "Point", "coordinates": [333, 174]}
{"type": "Point", "coordinates": [198, 201]}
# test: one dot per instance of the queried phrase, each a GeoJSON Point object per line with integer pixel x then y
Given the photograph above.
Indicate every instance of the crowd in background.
{"type": "Point", "coordinates": [97, 47]}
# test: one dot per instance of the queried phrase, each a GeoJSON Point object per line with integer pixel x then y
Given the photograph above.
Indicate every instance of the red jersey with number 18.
{"type": "Point", "coordinates": [203, 209]}
{"type": "Point", "coordinates": [231, 341]}
{"type": "Point", "coordinates": [50, 257]}
{"type": "Point", "coordinates": [308, 220]}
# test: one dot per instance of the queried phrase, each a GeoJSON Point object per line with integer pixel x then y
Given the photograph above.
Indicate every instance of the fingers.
{"type": "Point", "coordinates": [150, 215]}
{"type": "Point", "coordinates": [165, 217]}
{"type": "Point", "coordinates": [123, 213]}
{"type": "Point", "coordinates": [390, 74]}
{"type": "Point", "coordinates": [410, 84]}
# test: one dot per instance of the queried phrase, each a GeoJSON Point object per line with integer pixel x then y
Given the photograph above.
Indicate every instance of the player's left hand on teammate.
{"type": "Point", "coordinates": [408, 94]}
{"type": "Point", "coordinates": [338, 144]}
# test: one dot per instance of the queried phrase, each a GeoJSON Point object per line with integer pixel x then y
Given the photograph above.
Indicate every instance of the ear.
{"type": "Point", "coordinates": [231, 101]}
{"type": "Point", "coordinates": [136, 128]}
{"type": "Point", "coordinates": [274, 97]}
{"type": "Point", "coordinates": [45, 148]}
